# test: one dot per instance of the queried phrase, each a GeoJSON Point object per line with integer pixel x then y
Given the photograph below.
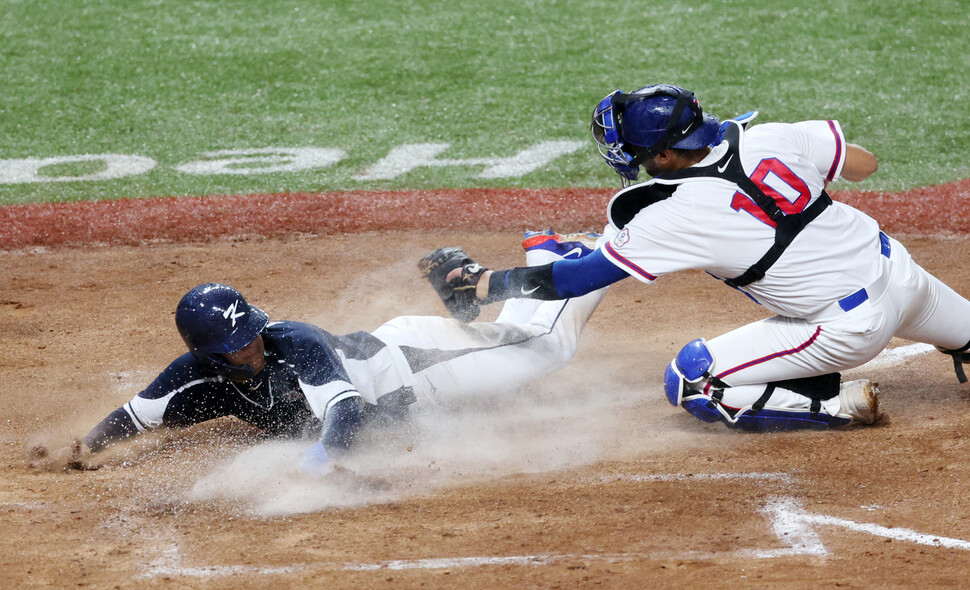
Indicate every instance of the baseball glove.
{"type": "Point", "coordinates": [458, 297]}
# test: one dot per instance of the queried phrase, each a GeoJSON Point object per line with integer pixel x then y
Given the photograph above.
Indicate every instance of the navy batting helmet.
{"type": "Point", "coordinates": [632, 128]}
{"type": "Point", "coordinates": [214, 319]}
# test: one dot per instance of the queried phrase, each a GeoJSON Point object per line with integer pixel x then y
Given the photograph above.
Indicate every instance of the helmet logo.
{"type": "Point", "coordinates": [230, 313]}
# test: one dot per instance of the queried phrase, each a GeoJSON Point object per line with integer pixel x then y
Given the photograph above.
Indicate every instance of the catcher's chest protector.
{"type": "Point", "coordinates": [624, 207]}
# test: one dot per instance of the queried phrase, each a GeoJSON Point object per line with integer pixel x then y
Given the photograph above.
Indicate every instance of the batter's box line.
{"type": "Point", "coordinates": [794, 527]}
{"type": "Point", "coordinates": [790, 522]}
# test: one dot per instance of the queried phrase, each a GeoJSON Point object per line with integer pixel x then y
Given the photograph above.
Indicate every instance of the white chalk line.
{"type": "Point", "coordinates": [25, 506]}
{"type": "Point", "coordinates": [448, 563]}
{"type": "Point", "coordinates": [790, 522]}
{"type": "Point", "coordinates": [793, 527]}
{"type": "Point", "coordinates": [635, 477]}
{"type": "Point", "coordinates": [895, 533]}
{"type": "Point", "coordinates": [893, 356]}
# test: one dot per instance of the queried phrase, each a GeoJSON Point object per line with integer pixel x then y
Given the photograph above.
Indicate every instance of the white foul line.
{"type": "Point", "coordinates": [788, 526]}
{"type": "Point", "coordinates": [172, 569]}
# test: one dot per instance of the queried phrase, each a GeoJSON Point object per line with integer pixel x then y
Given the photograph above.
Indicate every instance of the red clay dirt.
{"type": "Point", "coordinates": [136, 221]}
{"type": "Point", "coordinates": [588, 479]}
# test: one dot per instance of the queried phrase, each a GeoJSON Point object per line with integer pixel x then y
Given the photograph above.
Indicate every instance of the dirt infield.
{"type": "Point", "coordinates": [588, 479]}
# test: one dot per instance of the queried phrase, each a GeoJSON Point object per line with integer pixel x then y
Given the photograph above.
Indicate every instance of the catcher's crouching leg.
{"type": "Point", "coordinates": [435, 266]}
{"type": "Point", "coordinates": [814, 402]}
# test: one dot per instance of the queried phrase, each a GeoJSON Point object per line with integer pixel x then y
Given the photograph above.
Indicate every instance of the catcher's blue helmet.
{"type": "Point", "coordinates": [632, 128]}
{"type": "Point", "coordinates": [214, 319]}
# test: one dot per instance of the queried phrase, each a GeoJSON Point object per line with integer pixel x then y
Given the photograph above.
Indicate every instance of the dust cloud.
{"type": "Point", "coordinates": [534, 431]}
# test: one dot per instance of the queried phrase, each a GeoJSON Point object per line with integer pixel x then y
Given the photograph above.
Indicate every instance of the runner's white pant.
{"type": "Point", "coordinates": [528, 340]}
{"type": "Point", "coordinates": [906, 301]}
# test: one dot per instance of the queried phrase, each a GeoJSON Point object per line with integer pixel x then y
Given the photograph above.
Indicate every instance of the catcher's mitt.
{"type": "Point", "coordinates": [459, 297]}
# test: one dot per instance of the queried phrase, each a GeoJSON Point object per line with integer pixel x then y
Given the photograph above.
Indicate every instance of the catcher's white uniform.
{"type": "Point", "coordinates": [840, 291]}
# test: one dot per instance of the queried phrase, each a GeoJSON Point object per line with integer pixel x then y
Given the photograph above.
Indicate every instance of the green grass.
{"type": "Point", "coordinates": [172, 80]}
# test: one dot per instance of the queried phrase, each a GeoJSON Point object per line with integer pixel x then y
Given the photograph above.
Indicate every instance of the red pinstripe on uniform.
{"type": "Point", "coordinates": [769, 357]}
{"type": "Point", "coordinates": [630, 265]}
{"type": "Point", "coordinates": [838, 152]}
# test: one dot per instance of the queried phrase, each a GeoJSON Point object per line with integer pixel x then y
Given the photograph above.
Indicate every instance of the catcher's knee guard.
{"type": "Point", "coordinates": [685, 378]}
{"type": "Point", "coordinates": [692, 366]}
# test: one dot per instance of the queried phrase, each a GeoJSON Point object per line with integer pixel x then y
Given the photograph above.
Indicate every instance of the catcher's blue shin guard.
{"type": "Point", "coordinates": [766, 420]}
{"type": "Point", "coordinates": [761, 420]}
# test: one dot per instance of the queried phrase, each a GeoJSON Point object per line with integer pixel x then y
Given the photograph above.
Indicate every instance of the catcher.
{"type": "Point", "coordinates": [293, 379]}
{"type": "Point", "coordinates": [749, 207]}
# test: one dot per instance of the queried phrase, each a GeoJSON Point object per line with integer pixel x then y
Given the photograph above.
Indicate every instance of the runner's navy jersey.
{"type": "Point", "coordinates": [303, 378]}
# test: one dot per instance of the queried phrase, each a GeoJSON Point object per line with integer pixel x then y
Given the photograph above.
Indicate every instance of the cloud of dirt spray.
{"type": "Point", "coordinates": [564, 424]}
{"type": "Point", "coordinates": [607, 404]}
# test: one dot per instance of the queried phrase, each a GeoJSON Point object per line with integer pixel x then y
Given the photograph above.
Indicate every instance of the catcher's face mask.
{"type": "Point", "coordinates": [630, 129]}
{"type": "Point", "coordinates": [606, 134]}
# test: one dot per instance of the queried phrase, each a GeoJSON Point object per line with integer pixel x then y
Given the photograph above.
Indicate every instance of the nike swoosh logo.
{"type": "Point", "coordinates": [721, 169]}
{"type": "Point", "coordinates": [530, 291]}
{"type": "Point", "coordinates": [577, 251]}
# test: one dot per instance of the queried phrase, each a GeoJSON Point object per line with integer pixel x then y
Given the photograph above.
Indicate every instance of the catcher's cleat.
{"type": "Point", "coordinates": [566, 245]}
{"type": "Point", "coordinates": [860, 401]}
{"type": "Point", "coordinates": [436, 265]}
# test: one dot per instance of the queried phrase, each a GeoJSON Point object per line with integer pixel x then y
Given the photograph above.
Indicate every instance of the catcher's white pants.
{"type": "Point", "coordinates": [906, 301]}
{"type": "Point", "coordinates": [528, 340]}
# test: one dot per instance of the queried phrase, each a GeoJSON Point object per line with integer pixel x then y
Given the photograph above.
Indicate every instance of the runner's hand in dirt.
{"type": "Point", "coordinates": [75, 456]}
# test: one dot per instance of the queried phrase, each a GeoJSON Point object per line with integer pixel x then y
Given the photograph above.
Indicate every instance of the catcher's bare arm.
{"type": "Point", "coordinates": [859, 164]}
